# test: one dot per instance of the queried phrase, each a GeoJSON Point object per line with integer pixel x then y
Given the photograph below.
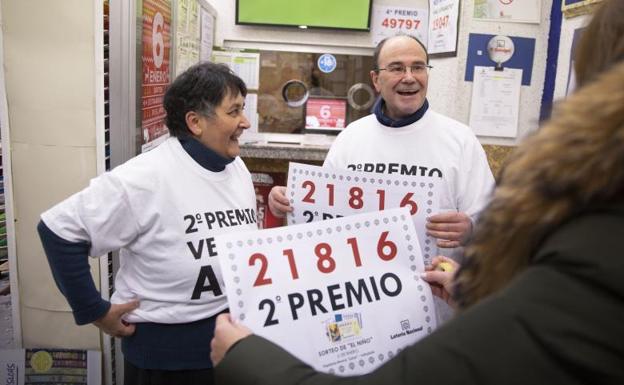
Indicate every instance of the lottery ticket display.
{"type": "Point", "coordinates": [344, 295]}
{"type": "Point", "coordinates": [318, 193]}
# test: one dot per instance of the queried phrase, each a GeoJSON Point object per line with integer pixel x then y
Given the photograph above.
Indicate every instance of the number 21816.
{"type": "Point", "coordinates": [325, 262]}
{"type": "Point", "coordinates": [356, 197]}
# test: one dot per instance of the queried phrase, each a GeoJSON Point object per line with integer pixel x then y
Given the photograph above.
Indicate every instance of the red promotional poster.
{"type": "Point", "coordinates": [326, 114]}
{"type": "Point", "coordinates": [156, 70]}
{"type": "Point", "coordinates": [263, 182]}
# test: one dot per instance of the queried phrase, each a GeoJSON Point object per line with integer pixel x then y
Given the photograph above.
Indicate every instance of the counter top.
{"type": "Point", "coordinates": [273, 156]}
{"type": "Point", "coordinates": [285, 151]}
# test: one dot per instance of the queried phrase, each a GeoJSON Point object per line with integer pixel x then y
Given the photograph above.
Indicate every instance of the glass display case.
{"type": "Point", "coordinates": [289, 79]}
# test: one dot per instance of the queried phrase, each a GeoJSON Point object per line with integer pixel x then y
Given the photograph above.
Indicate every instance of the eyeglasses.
{"type": "Point", "coordinates": [401, 70]}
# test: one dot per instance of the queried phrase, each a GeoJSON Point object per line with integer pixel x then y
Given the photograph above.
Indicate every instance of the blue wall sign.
{"type": "Point", "coordinates": [327, 63]}
{"type": "Point", "coordinates": [521, 59]}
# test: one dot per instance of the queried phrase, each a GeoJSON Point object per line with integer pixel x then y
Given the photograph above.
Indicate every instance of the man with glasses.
{"type": "Point", "coordinates": [404, 136]}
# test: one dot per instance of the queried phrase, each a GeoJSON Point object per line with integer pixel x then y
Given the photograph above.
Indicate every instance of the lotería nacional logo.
{"type": "Point", "coordinates": [406, 329]}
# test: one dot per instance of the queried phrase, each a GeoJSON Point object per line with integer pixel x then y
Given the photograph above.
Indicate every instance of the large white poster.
{"type": "Point", "coordinates": [443, 23]}
{"type": "Point", "coordinates": [318, 193]}
{"type": "Point", "coordinates": [344, 295]}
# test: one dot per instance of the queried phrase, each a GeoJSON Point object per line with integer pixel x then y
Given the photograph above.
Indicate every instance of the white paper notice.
{"type": "Point", "coordinates": [343, 295]}
{"type": "Point", "coordinates": [245, 65]}
{"type": "Point", "coordinates": [495, 102]}
{"type": "Point", "coordinates": [187, 35]}
{"type": "Point", "coordinates": [389, 21]}
{"type": "Point", "coordinates": [522, 11]}
{"type": "Point", "coordinates": [318, 193]}
{"type": "Point", "coordinates": [207, 35]}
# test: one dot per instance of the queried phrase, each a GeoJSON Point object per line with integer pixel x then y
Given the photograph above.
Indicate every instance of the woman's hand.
{"type": "Point", "coordinates": [440, 276]}
{"type": "Point", "coordinates": [227, 333]}
{"type": "Point", "coordinates": [112, 322]}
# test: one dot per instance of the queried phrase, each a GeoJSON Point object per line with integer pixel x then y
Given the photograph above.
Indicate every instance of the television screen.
{"type": "Point", "coordinates": [325, 114]}
{"type": "Point", "coordinates": [339, 14]}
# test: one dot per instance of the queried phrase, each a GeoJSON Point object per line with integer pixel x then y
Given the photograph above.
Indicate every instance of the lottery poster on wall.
{"type": "Point", "coordinates": [325, 114]}
{"type": "Point", "coordinates": [318, 193]}
{"type": "Point", "coordinates": [156, 70]}
{"type": "Point", "coordinates": [343, 295]}
{"type": "Point", "coordinates": [443, 27]}
{"type": "Point", "coordinates": [389, 21]}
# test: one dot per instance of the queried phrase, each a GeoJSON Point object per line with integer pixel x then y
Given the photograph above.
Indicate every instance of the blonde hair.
{"type": "Point", "coordinates": [574, 162]}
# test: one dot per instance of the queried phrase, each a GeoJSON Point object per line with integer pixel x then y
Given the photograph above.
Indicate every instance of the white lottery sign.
{"type": "Point", "coordinates": [318, 193]}
{"type": "Point", "coordinates": [389, 21]}
{"type": "Point", "coordinates": [443, 18]}
{"type": "Point", "coordinates": [344, 295]}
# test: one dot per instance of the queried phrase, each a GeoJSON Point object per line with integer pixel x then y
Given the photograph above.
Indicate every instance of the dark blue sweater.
{"type": "Point", "coordinates": [152, 346]}
{"type": "Point", "coordinates": [387, 121]}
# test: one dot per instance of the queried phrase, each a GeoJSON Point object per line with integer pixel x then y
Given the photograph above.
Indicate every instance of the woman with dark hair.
{"type": "Point", "coordinates": [541, 293]}
{"type": "Point", "coordinates": [161, 210]}
{"type": "Point", "coordinates": [602, 42]}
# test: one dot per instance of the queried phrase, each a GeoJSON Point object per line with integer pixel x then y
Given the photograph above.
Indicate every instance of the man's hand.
{"type": "Point", "coordinates": [112, 323]}
{"type": "Point", "coordinates": [452, 229]}
{"type": "Point", "coordinates": [278, 203]}
{"type": "Point", "coordinates": [227, 333]}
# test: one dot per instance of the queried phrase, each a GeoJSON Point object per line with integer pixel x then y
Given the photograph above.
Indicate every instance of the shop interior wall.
{"type": "Point", "coordinates": [49, 70]}
{"type": "Point", "coordinates": [448, 92]}
{"type": "Point", "coordinates": [454, 94]}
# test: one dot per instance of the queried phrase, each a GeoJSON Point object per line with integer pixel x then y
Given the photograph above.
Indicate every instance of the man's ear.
{"type": "Point", "coordinates": [375, 77]}
{"type": "Point", "coordinates": [192, 122]}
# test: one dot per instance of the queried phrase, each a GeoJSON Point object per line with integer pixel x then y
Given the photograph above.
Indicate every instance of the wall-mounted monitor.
{"type": "Point", "coordinates": [327, 115]}
{"type": "Point", "coordinates": [335, 14]}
